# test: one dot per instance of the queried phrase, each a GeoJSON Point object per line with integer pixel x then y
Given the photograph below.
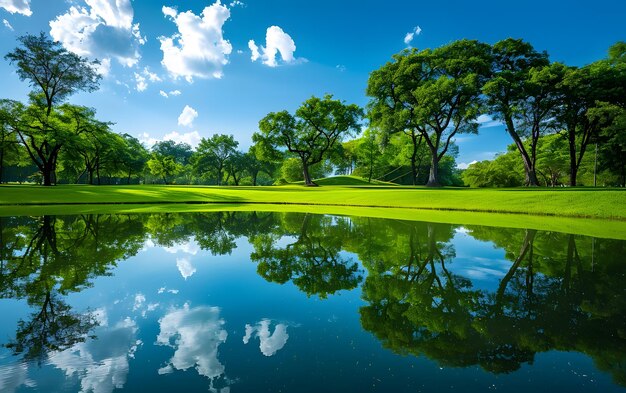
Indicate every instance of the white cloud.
{"type": "Point", "coordinates": [187, 116]}
{"type": "Point", "coordinates": [142, 79]}
{"type": "Point", "coordinates": [195, 334]}
{"type": "Point", "coordinates": [269, 343]}
{"type": "Point", "coordinates": [341, 67]}
{"type": "Point", "coordinates": [101, 364]}
{"type": "Point", "coordinates": [199, 48]}
{"type": "Point", "coordinates": [486, 121]}
{"type": "Point", "coordinates": [185, 267]}
{"type": "Point", "coordinates": [173, 93]}
{"type": "Point", "coordinates": [140, 299]}
{"type": "Point", "coordinates": [7, 24]}
{"type": "Point", "coordinates": [14, 375]}
{"type": "Point", "coordinates": [189, 247]}
{"type": "Point", "coordinates": [276, 41]}
{"type": "Point", "coordinates": [104, 29]}
{"type": "Point", "coordinates": [17, 6]}
{"type": "Point", "coordinates": [408, 38]}
{"type": "Point", "coordinates": [192, 138]}
{"type": "Point", "coordinates": [465, 165]}
{"type": "Point", "coordinates": [104, 68]}
{"type": "Point", "coordinates": [237, 3]}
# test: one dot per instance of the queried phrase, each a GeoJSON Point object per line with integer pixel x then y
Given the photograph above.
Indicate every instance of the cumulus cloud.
{"type": "Point", "coordinates": [187, 116]}
{"type": "Point", "coordinates": [276, 42]}
{"type": "Point", "coordinates": [7, 24]}
{"type": "Point", "coordinates": [185, 267]}
{"type": "Point", "coordinates": [199, 48]}
{"type": "Point", "coordinates": [237, 3]}
{"type": "Point", "coordinates": [269, 343]}
{"type": "Point", "coordinates": [17, 6]}
{"type": "Point", "coordinates": [408, 38]}
{"type": "Point", "coordinates": [192, 138]}
{"type": "Point", "coordinates": [102, 365]}
{"type": "Point", "coordinates": [195, 334]}
{"type": "Point", "coordinates": [103, 29]}
{"type": "Point", "coordinates": [175, 93]}
{"type": "Point", "coordinates": [465, 165]}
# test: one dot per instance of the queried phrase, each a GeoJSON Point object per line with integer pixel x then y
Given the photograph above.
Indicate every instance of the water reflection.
{"type": "Point", "coordinates": [195, 334]}
{"type": "Point", "coordinates": [269, 343]}
{"type": "Point", "coordinates": [552, 291]}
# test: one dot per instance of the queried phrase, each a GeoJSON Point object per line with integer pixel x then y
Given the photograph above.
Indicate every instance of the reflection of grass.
{"type": "Point", "coordinates": [554, 202]}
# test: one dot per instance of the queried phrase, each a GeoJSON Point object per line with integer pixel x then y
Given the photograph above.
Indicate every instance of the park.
{"type": "Point", "coordinates": [354, 244]}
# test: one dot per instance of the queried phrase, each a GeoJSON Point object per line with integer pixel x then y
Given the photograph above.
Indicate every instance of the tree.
{"type": "Point", "coordinates": [318, 124]}
{"type": "Point", "coordinates": [164, 167]}
{"type": "Point", "coordinates": [180, 152]}
{"type": "Point", "coordinates": [215, 152]}
{"type": "Point", "coordinates": [236, 166]}
{"type": "Point", "coordinates": [133, 158]}
{"type": "Point", "coordinates": [508, 96]}
{"type": "Point", "coordinates": [55, 74]}
{"type": "Point", "coordinates": [436, 93]}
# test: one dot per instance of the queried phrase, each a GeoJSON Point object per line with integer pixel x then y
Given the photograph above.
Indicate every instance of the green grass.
{"type": "Point", "coordinates": [605, 204]}
{"type": "Point", "coordinates": [545, 209]}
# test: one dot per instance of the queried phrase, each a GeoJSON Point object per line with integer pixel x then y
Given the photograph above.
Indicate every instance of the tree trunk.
{"type": "Point", "coordinates": [47, 176]}
{"type": "Point", "coordinates": [531, 175]}
{"type": "Point", "coordinates": [573, 168]}
{"type": "Point", "coordinates": [433, 177]}
{"type": "Point", "coordinates": [307, 177]}
{"type": "Point", "coordinates": [254, 179]}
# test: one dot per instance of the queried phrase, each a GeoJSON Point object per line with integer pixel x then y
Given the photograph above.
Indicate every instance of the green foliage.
{"type": "Point", "coordinates": [436, 93]}
{"type": "Point", "coordinates": [164, 167]}
{"type": "Point", "coordinates": [317, 126]}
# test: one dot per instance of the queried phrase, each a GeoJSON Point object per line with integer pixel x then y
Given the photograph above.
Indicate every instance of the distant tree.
{"type": "Point", "coordinates": [180, 152]}
{"type": "Point", "coordinates": [55, 74]}
{"type": "Point", "coordinates": [164, 167]}
{"type": "Point", "coordinates": [133, 157]}
{"type": "Point", "coordinates": [215, 152]}
{"type": "Point", "coordinates": [236, 166]}
{"type": "Point", "coordinates": [436, 93]}
{"type": "Point", "coordinates": [318, 124]}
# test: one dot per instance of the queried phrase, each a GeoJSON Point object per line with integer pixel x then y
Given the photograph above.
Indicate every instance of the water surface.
{"type": "Point", "coordinates": [269, 302]}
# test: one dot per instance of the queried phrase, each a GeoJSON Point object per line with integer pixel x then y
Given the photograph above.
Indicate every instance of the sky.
{"type": "Point", "coordinates": [187, 69]}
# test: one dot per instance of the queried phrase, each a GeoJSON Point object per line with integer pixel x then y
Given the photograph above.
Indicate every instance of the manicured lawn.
{"type": "Point", "coordinates": [578, 202]}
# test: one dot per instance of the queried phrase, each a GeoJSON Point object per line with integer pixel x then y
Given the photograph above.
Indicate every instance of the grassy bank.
{"type": "Point", "coordinates": [599, 203]}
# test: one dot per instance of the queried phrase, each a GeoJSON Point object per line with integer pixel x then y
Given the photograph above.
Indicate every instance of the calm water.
{"type": "Point", "coordinates": [267, 302]}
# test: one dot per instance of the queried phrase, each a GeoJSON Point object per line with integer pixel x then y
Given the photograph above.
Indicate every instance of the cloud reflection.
{"type": "Point", "coordinates": [195, 334]}
{"type": "Point", "coordinates": [269, 343]}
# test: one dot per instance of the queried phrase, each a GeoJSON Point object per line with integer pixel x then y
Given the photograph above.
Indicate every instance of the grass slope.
{"type": "Point", "coordinates": [574, 202]}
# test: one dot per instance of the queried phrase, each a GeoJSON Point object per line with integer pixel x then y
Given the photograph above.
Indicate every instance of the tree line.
{"type": "Point", "coordinates": [419, 103]}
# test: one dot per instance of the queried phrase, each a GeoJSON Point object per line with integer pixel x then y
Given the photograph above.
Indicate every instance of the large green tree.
{"type": "Point", "coordinates": [318, 124]}
{"type": "Point", "coordinates": [55, 74]}
{"type": "Point", "coordinates": [511, 95]}
{"type": "Point", "coordinates": [434, 92]}
{"type": "Point", "coordinates": [214, 153]}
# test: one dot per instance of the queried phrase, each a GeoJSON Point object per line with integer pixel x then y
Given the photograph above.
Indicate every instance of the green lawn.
{"type": "Point", "coordinates": [605, 204]}
{"type": "Point", "coordinates": [545, 209]}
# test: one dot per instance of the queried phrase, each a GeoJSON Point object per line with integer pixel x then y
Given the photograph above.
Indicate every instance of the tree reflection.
{"type": "Point", "coordinates": [47, 258]}
{"type": "Point", "coordinates": [551, 298]}
{"type": "Point", "coordinates": [312, 261]}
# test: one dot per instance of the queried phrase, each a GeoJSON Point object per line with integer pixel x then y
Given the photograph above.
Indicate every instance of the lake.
{"type": "Point", "coordinates": [295, 302]}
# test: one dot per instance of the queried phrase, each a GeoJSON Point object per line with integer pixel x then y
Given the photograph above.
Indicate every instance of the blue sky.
{"type": "Point", "coordinates": [155, 87]}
